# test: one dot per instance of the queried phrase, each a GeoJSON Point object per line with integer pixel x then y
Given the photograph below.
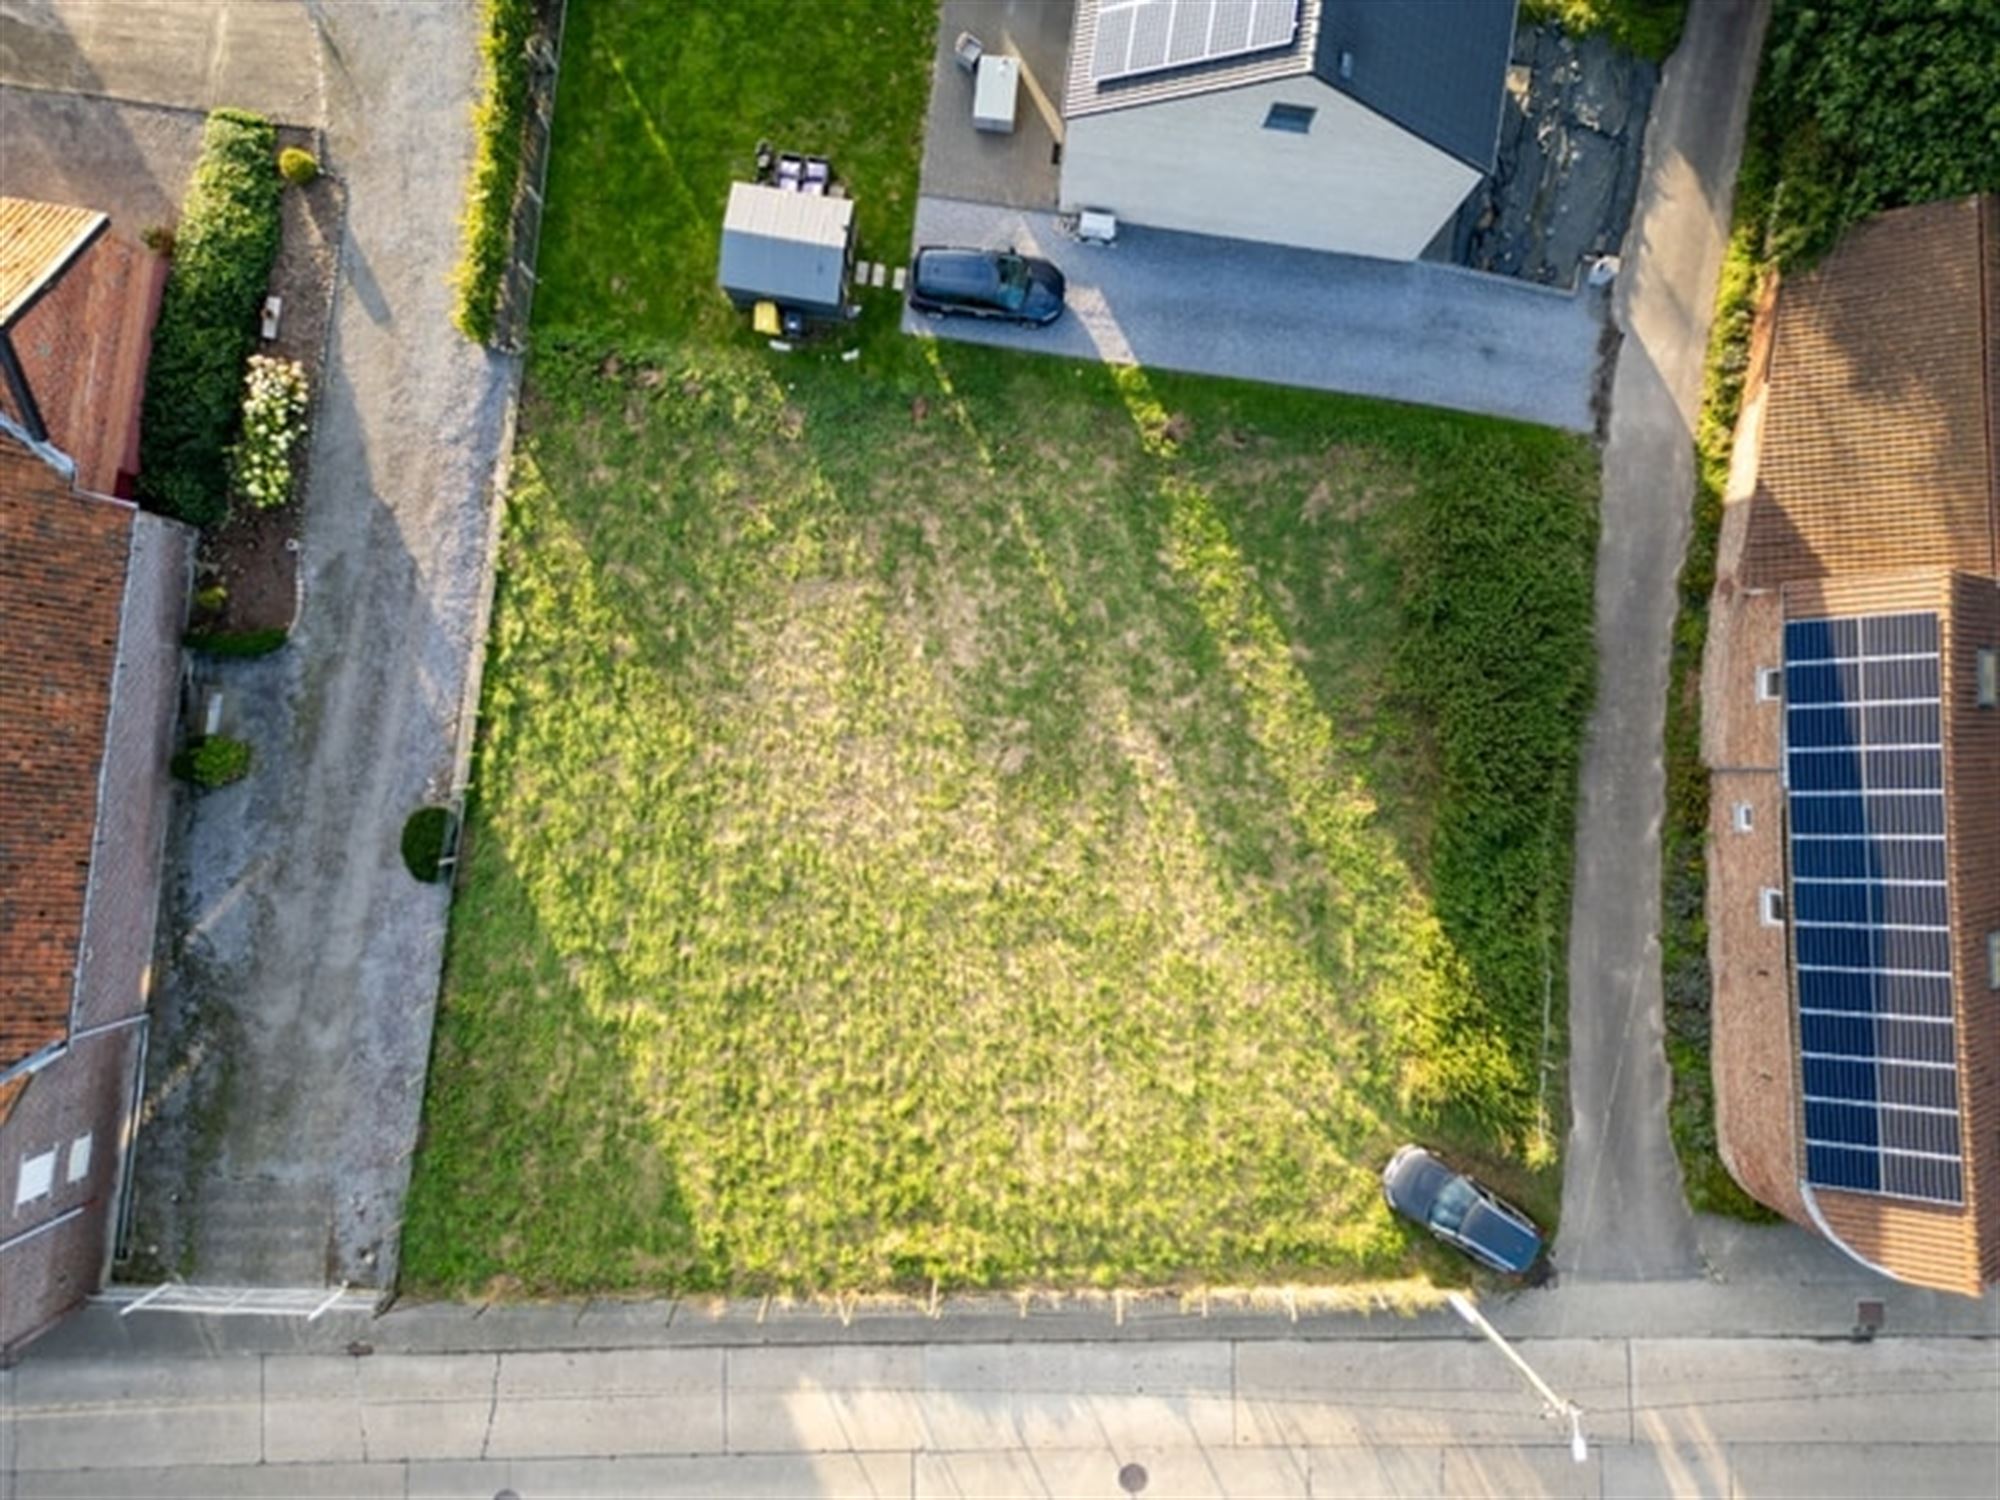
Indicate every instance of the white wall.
{"type": "Point", "coordinates": [1353, 183]}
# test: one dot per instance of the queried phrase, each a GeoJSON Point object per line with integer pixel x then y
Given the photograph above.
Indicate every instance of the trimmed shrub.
{"type": "Point", "coordinates": [499, 121]}
{"type": "Point", "coordinates": [210, 599]}
{"type": "Point", "coordinates": [223, 251]}
{"type": "Point", "coordinates": [158, 238]}
{"type": "Point", "coordinates": [424, 838]}
{"type": "Point", "coordinates": [235, 642]}
{"type": "Point", "coordinates": [297, 167]}
{"type": "Point", "coordinates": [274, 417]}
{"type": "Point", "coordinates": [212, 761]}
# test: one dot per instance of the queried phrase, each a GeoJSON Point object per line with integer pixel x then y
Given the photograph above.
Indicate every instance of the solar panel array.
{"type": "Point", "coordinates": [1149, 36]}
{"type": "Point", "coordinates": [1864, 772]}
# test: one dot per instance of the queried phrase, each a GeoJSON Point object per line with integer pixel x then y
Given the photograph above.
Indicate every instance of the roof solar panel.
{"type": "Point", "coordinates": [1135, 37]}
{"type": "Point", "coordinates": [1871, 939]}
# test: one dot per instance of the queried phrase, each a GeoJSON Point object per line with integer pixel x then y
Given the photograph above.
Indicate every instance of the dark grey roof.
{"type": "Point", "coordinates": [1438, 68]}
{"type": "Point", "coordinates": [789, 247]}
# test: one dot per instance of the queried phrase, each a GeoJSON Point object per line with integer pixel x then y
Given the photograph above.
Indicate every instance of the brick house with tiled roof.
{"type": "Point", "coordinates": [93, 597]}
{"type": "Point", "coordinates": [1853, 737]}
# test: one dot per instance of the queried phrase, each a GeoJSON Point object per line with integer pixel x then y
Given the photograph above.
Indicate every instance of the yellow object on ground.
{"type": "Point", "coordinates": [764, 318]}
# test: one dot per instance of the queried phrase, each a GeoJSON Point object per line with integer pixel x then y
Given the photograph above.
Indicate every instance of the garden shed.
{"type": "Point", "coordinates": [791, 248]}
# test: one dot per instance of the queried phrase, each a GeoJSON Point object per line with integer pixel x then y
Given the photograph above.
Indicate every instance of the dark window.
{"type": "Point", "coordinates": [1297, 118]}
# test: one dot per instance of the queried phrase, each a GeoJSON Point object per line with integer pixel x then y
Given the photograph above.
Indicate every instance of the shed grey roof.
{"type": "Point", "coordinates": [1437, 68]}
{"type": "Point", "coordinates": [789, 247]}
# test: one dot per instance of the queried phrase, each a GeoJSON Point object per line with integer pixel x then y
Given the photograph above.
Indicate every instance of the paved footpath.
{"type": "Point", "coordinates": [1746, 1417]}
{"type": "Point", "coordinates": [1624, 1214]}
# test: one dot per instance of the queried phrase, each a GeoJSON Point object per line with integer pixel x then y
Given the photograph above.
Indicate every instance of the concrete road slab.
{"type": "Point", "coordinates": [1093, 1473]}
{"type": "Point", "coordinates": [162, 1414]}
{"type": "Point", "coordinates": [261, 1482]}
{"type": "Point", "coordinates": [1404, 1473]}
{"type": "Point", "coordinates": [608, 1404]}
{"type": "Point", "coordinates": [821, 1399]}
{"type": "Point", "coordinates": [312, 1411]}
{"type": "Point", "coordinates": [1549, 1472]}
{"type": "Point", "coordinates": [251, 54]}
{"type": "Point", "coordinates": [868, 1476]}
{"type": "Point", "coordinates": [1153, 1396]}
{"type": "Point", "coordinates": [1443, 1391]}
{"type": "Point", "coordinates": [1873, 1471]}
{"type": "Point", "coordinates": [1665, 1472]}
{"type": "Point", "coordinates": [1430, 334]}
{"type": "Point", "coordinates": [1692, 1392]}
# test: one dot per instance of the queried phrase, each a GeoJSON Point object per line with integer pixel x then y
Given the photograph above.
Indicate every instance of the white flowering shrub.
{"type": "Point", "coordinates": [274, 416]}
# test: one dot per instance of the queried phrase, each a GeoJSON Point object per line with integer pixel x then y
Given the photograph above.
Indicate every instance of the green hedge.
{"type": "Point", "coordinates": [1501, 659]}
{"type": "Point", "coordinates": [1871, 104]}
{"type": "Point", "coordinates": [1647, 27]}
{"type": "Point", "coordinates": [500, 120]}
{"type": "Point", "coordinates": [223, 251]}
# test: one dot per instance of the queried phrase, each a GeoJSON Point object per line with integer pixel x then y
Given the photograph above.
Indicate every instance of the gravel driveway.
{"type": "Point", "coordinates": [1430, 334]}
{"type": "Point", "coordinates": [292, 1019]}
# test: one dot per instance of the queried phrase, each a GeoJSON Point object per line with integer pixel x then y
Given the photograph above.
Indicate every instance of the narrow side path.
{"type": "Point", "coordinates": [1625, 1216]}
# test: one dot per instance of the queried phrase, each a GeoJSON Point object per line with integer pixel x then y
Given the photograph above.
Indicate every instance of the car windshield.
{"type": "Point", "coordinates": [1013, 289]}
{"type": "Point", "coordinates": [1452, 1205]}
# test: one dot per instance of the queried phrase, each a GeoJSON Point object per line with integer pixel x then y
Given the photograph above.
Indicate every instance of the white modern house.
{"type": "Point", "coordinates": [1349, 125]}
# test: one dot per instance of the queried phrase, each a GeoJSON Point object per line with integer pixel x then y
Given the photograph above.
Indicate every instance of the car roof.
{"type": "Point", "coordinates": [1501, 1235]}
{"type": "Point", "coordinates": [958, 271]}
{"type": "Point", "coordinates": [1416, 1180]}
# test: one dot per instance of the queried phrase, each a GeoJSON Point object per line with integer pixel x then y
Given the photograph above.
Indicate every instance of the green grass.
{"type": "Point", "coordinates": [971, 816]}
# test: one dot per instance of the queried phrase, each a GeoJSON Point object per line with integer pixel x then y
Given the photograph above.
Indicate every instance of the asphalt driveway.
{"type": "Point", "coordinates": [1434, 335]}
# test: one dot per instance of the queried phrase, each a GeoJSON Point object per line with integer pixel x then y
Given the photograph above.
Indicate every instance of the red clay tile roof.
{"type": "Point", "coordinates": [37, 240]}
{"type": "Point", "coordinates": [62, 582]}
{"type": "Point", "coordinates": [80, 310]}
{"type": "Point", "coordinates": [1878, 451]}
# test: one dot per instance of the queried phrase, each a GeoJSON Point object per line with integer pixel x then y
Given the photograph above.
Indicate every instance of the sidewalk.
{"type": "Point", "coordinates": [1200, 1417]}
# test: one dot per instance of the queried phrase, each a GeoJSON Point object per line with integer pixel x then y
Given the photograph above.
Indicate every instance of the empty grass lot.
{"type": "Point", "coordinates": [967, 816]}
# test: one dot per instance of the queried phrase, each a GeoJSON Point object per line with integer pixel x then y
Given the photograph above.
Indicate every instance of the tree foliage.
{"type": "Point", "coordinates": [1870, 104]}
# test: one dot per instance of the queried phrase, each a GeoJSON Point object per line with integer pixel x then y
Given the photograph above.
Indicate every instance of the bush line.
{"type": "Point", "coordinates": [224, 248]}
{"type": "Point", "coordinates": [500, 122]}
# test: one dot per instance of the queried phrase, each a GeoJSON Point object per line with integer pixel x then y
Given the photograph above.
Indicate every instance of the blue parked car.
{"type": "Point", "coordinates": [985, 284]}
{"type": "Point", "coordinates": [1460, 1212]}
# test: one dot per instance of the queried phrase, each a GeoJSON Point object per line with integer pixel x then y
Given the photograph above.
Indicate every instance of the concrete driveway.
{"type": "Point", "coordinates": [1433, 335]}
{"type": "Point", "coordinates": [172, 52]}
{"type": "Point", "coordinates": [1625, 1216]}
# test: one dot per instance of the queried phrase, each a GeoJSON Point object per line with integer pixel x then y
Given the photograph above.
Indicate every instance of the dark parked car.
{"type": "Point", "coordinates": [1460, 1212]}
{"type": "Point", "coordinates": [985, 284]}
